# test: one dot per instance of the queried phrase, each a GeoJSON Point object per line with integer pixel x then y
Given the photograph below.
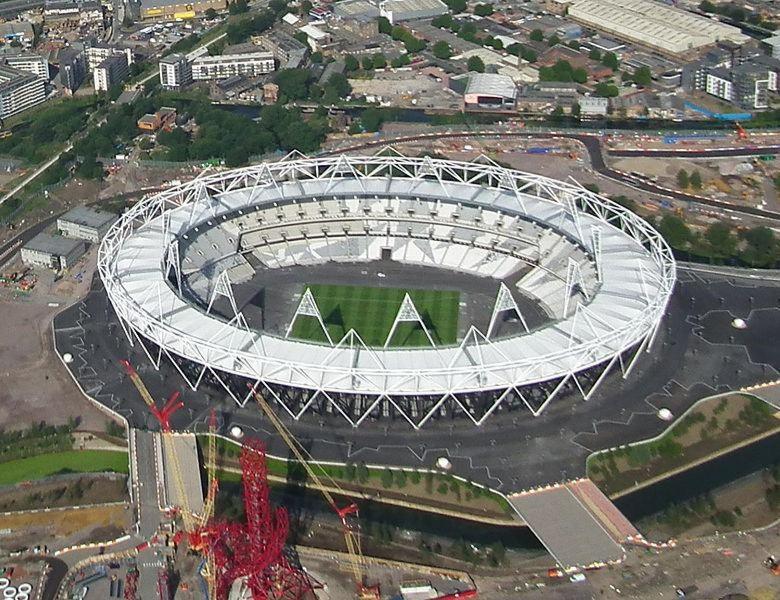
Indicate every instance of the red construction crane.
{"type": "Point", "coordinates": [163, 415]}
{"type": "Point", "coordinates": [349, 527]}
{"type": "Point", "coordinates": [254, 550]}
{"type": "Point", "coordinates": [741, 133]}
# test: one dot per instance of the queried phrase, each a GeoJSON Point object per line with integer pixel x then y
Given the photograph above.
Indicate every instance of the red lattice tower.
{"type": "Point", "coordinates": [255, 549]}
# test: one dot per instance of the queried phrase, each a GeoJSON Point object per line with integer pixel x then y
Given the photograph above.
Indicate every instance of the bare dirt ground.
{"type": "Point", "coordinates": [61, 492]}
{"type": "Point", "coordinates": [64, 527]}
{"type": "Point", "coordinates": [34, 384]}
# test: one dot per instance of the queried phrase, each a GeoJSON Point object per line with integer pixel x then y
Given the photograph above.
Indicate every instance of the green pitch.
{"type": "Point", "coordinates": [371, 310]}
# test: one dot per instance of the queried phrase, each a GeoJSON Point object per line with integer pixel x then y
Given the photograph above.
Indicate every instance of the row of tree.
{"type": "Point", "coordinates": [756, 247]}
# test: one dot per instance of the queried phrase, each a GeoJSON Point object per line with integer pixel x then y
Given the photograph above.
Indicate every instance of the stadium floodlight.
{"type": "Point", "coordinates": [307, 307]}
{"type": "Point", "coordinates": [548, 238]}
{"type": "Point", "coordinates": [504, 302]}
{"type": "Point", "coordinates": [408, 313]}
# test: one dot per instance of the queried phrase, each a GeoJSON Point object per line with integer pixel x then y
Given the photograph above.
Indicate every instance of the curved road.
{"type": "Point", "coordinates": [593, 146]}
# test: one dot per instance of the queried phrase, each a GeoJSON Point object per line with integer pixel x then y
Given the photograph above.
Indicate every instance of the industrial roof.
{"type": "Point", "coordinates": [88, 217]}
{"type": "Point", "coordinates": [490, 84]}
{"type": "Point", "coordinates": [654, 24]}
{"type": "Point", "coordinates": [55, 245]}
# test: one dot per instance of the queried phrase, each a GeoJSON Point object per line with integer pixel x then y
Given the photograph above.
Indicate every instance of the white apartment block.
{"type": "Point", "coordinates": [719, 86]}
{"type": "Point", "coordinates": [31, 63]}
{"type": "Point", "coordinates": [175, 72]}
{"type": "Point", "coordinates": [228, 65]}
{"type": "Point", "coordinates": [19, 91]}
{"type": "Point", "coordinates": [97, 54]}
{"type": "Point", "coordinates": [110, 72]}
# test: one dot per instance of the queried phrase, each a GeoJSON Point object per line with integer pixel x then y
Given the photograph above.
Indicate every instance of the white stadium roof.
{"type": "Point", "coordinates": [636, 270]}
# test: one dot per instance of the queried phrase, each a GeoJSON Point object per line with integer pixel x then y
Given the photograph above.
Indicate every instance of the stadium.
{"type": "Point", "coordinates": [388, 288]}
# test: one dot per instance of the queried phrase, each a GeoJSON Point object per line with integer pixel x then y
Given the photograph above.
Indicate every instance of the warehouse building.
{"type": "Point", "coordinates": [19, 91]}
{"type": "Point", "coordinates": [489, 91]}
{"type": "Point", "coordinates": [665, 28]}
{"type": "Point", "coordinates": [228, 65]}
{"type": "Point", "coordinates": [354, 9]}
{"type": "Point", "coordinates": [85, 223]}
{"type": "Point", "coordinates": [176, 9]}
{"type": "Point", "coordinates": [397, 11]}
{"type": "Point", "coordinates": [52, 251]}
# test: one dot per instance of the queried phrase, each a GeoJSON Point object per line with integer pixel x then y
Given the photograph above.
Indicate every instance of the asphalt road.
{"type": "Point", "coordinates": [512, 451]}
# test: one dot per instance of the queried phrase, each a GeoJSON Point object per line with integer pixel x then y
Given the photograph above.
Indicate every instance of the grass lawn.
{"type": "Point", "coordinates": [72, 461]}
{"type": "Point", "coordinates": [710, 426]}
{"type": "Point", "coordinates": [371, 310]}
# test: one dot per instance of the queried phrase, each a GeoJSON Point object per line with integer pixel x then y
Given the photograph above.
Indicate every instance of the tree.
{"type": "Point", "coordinates": [468, 31]}
{"type": "Point", "coordinates": [210, 13]}
{"type": "Point", "coordinates": [515, 49]}
{"type": "Point", "coordinates": [400, 61]}
{"type": "Point", "coordinates": [238, 7]}
{"type": "Point", "coordinates": [387, 478]}
{"type": "Point", "coordinates": [367, 63]}
{"type": "Point", "coordinates": [351, 63]}
{"type": "Point", "coordinates": [293, 83]}
{"type": "Point", "coordinates": [400, 478]}
{"type": "Point", "coordinates": [575, 109]}
{"type": "Point", "coordinates": [606, 90]}
{"type": "Point", "coordinates": [761, 248]}
{"type": "Point", "coordinates": [707, 6]}
{"type": "Point", "coordinates": [643, 77]}
{"type": "Point", "coordinates": [682, 179]}
{"type": "Point", "coordinates": [537, 35]}
{"type": "Point", "coordinates": [574, 45]}
{"type": "Point", "coordinates": [610, 60]}
{"type": "Point", "coordinates": [379, 61]}
{"type": "Point", "coordinates": [371, 119]}
{"type": "Point", "coordinates": [362, 472]}
{"type": "Point", "coordinates": [305, 7]}
{"type": "Point", "coordinates": [483, 10]}
{"type": "Point", "coordinates": [553, 40]}
{"type": "Point", "coordinates": [442, 50]}
{"type": "Point", "coordinates": [475, 63]}
{"type": "Point", "coordinates": [443, 21]}
{"type": "Point", "coordinates": [316, 57]}
{"type": "Point", "coordinates": [594, 54]}
{"type": "Point", "coordinates": [579, 75]}
{"type": "Point", "coordinates": [695, 180]}
{"type": "Point", "coordinates": [721, 242]}
{"type": "Point", "coordinates": [675, 231]}
{"type": "Point", "coordinates": [384, 25]}
{"type": "Point", "coordinates": [456, 6]}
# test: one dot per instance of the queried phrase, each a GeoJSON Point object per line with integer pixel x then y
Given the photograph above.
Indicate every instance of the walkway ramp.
{"type": "Point", "coordinates": [186, 449]}
{"type": "Point", "coordinates": [575, 523]}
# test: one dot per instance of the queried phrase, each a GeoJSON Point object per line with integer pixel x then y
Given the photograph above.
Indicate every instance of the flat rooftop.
{"type": "Point", "coordinates": [53, 244]}
{"type": "Point", "coordinates": [88, 217]}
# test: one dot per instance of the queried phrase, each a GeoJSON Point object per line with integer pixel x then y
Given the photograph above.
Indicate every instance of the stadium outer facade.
{"type": "Point", "coordinates": [606, 291]}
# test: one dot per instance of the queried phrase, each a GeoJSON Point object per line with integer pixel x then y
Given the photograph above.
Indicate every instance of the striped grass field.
{"type": "Point", "coordinates": [371, 310]}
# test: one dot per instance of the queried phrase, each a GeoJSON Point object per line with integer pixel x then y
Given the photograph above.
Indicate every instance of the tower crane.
{"type": "Point", "coordinates": [350, 530]}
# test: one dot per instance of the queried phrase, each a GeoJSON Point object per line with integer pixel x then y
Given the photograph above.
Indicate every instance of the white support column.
{"type": "Point", "coordinates": [407, 313]}
{"type": "Point", "coordinates": [307, 307]}
{"type": "Point", "coordinates": [173, 262]}
{"type": "Point", "coordinates": [223, 287]}
{"type": "Point", "coordinates": [573, 278]}
{"type": "Point", "coordinates": [504, 302]}
{"type": "Point", "coordinates": [595, 243]}
{"type": "Point", "coordinates": [570, 202]}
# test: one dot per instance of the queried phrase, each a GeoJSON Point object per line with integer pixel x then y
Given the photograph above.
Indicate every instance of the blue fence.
{"type": "Point", "coordinates": [719, 116]}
